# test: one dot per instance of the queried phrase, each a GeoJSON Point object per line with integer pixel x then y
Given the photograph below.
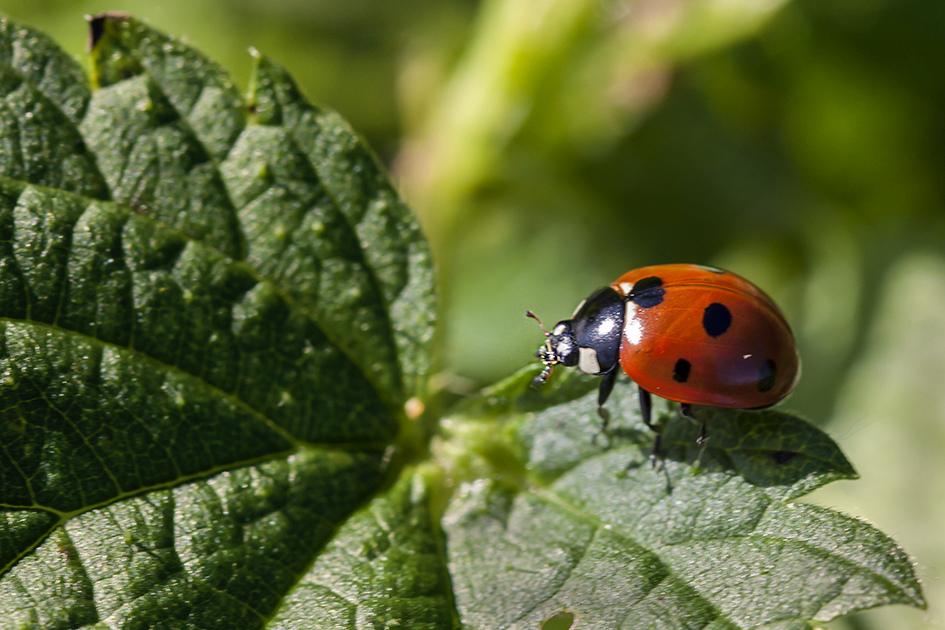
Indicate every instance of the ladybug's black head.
{"type": "Point", "coordinates": [589, 340]}
{"type": "Point", "coordinates": [560, 347]}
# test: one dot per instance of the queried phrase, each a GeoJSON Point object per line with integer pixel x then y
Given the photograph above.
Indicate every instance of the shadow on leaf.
{"type": "Point", "coordinates": [770, 449]}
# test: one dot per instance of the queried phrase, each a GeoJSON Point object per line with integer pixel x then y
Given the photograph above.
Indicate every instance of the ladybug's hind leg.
{"type": "Point", "coordinates": [685, 410]}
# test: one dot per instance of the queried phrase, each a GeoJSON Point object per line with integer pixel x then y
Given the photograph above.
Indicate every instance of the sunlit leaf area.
{"type": "Point", "coordinates": [545, 147]}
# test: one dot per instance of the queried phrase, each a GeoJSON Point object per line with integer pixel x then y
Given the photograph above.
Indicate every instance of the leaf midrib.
{"type": "Point", "coordinates": [88, 203]}
{"type": "Point", "coordinates": [236, 400]}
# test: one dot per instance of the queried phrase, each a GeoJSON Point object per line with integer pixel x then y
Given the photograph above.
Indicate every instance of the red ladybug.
{"type": "Point", "coordinates": [693, 334]}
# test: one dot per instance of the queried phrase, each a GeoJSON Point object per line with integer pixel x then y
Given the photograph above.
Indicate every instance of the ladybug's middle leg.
{"type": "Point", "coordinates": [646, 411]}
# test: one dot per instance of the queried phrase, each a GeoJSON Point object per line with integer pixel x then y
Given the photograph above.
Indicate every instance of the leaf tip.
{"type": "Point", "coordinates": [97, 24]}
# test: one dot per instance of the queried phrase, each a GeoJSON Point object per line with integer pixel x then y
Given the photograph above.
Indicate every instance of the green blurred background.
{"type": "Point", "coordinates": [551, 145]}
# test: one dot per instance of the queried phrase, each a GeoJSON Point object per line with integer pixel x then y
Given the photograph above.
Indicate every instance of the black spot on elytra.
{"type": "Point", "coordinates": [783, 457]}
{"type": "Point", "coordinates": [716, 319]}
{"type": "Point", "coordinates": [647, 292]}
{"type": "Point", "coordinates": [681, 371]}
{"type": "Point", "coordinates": [766, 375]}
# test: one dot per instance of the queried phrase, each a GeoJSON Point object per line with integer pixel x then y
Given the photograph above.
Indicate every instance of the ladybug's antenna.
{"type": "Point", "coordinates": [545, 353]}
{"type": "Point", "coordinates": [535, 317]}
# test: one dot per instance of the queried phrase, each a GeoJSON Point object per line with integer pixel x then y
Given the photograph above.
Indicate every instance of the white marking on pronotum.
{"type": "Point", "coordinates": [632, 327]}
{"type": "Point", "coordinates": [746, 356]}
{"type": "Point", "coordinates": [626, 287]}
{"type": "Point", "coordinates": [588, 362]}
{"type": "Point", "coordinates": [579, 307]}
{"type": "Point", "coordinates": [605, 327]}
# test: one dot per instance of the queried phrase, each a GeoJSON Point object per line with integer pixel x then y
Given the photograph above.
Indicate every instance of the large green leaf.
{"type": "Point", "coordinates": [213, 311]}
{"type": "Point", "coordinates": [205, 344]}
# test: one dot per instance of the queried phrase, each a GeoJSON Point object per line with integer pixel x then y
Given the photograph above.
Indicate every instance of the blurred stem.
{"type": "Point", "coordinates": [518, 46]}
{"type": "Point", "coordinates": [515, 45]}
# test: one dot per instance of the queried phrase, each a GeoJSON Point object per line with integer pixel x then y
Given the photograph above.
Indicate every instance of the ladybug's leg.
{"type": "Point", "coordinates": [646, 408]}
{"type": "Point", "coordinates": [646, 411]}
{"type": "Point", "coordinates": [685, 410]}
{"type": "Point", "coordinates": [606, 386]}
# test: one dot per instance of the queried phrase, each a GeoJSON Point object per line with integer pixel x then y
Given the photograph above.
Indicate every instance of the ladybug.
{"type": "Point", "coordinates": [692, 334]}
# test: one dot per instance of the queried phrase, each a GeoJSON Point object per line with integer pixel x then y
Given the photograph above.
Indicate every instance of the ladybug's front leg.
{"type": "Point", "coordinates": [606, 386]}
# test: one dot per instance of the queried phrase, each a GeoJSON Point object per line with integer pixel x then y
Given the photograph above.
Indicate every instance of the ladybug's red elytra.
{"type": "Point", "coordinates": [688, 333]}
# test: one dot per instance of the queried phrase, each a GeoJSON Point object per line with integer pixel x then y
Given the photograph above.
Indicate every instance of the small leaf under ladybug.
{"type": "Point", "coordinates": [709, 540]}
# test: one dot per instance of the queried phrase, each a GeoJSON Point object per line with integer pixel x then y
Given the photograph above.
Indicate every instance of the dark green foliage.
{"type": "Point", "coordinates": [187, 415]}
